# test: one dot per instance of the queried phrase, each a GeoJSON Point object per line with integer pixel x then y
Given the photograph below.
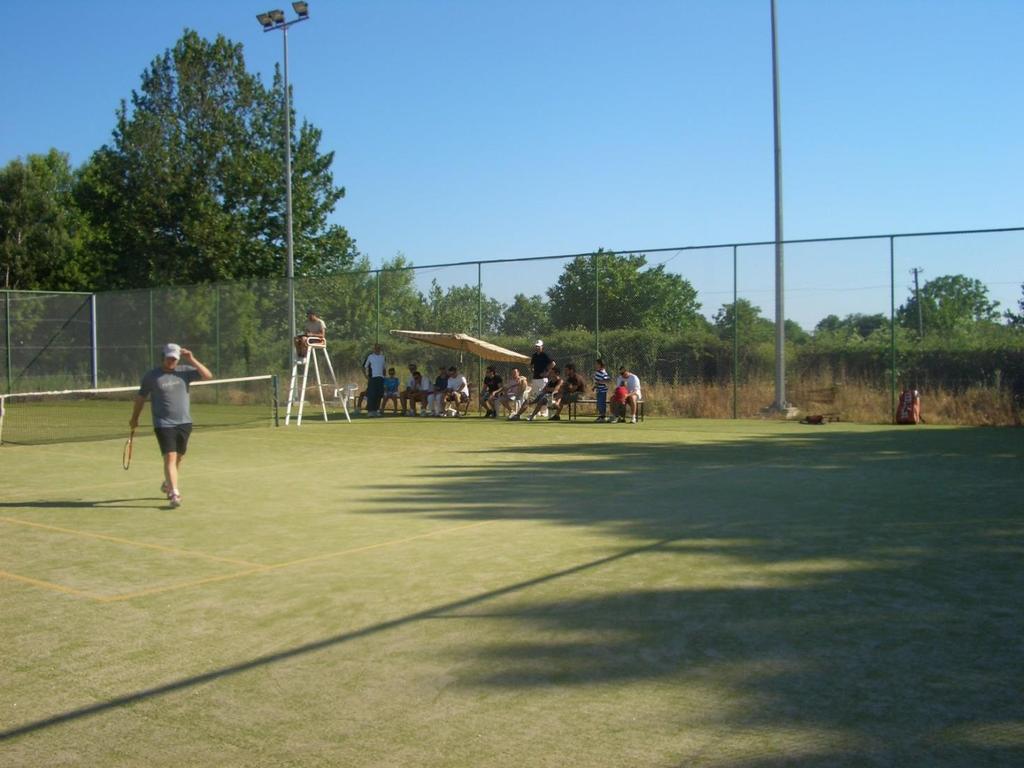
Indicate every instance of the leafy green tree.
{"type": "Point", "coordinates": [631, 296]}
{"type": "Point", "coordinates": [856, 324]}
{"type": "Point", "coordinates": [401, 304]}
{"type": "Point", "coordinates": [949, 303]}
{"type": "Point", "coordinates": [751, 326]}
{"type": "Point", "coordinates": [1016, 319]}
{"type": "Point", "coordinates": [526, 316]}
{"type": "Point", "coordinates": [455, 310]}
{"type": "Point", "coordinates": [795, 332]}
{"type": "Point", "coordinates": [41, 229]}
{"type": "Point", "coordinates": [190, 189]}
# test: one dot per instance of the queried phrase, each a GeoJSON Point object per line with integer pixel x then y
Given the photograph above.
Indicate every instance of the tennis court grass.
{"type": "Point", "coordinates": [403, 592]}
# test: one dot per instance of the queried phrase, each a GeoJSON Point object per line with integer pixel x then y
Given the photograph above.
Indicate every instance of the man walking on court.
{"type": "Point", "coordinates": [167, 388]}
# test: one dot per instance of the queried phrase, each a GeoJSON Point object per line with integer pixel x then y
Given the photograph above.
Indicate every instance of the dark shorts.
{"type": "Point", "coordinates": [173, 439]}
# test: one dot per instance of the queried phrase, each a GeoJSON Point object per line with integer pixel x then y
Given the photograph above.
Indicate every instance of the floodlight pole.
{"type": "Point", "coordinates": [780, 312]}
{"type": "Point", "coordinates": [281, 24]}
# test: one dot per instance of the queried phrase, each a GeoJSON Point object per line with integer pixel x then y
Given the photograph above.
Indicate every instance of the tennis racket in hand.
{"type": "Point", "coordinates": [126, 456]}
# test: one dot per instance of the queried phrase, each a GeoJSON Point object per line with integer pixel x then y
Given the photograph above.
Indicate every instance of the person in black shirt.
{"type": "Point", "coordinates": [539, 364]}
{"type": "Point", "coordinates": [549, 394]}
{"type": "Point", "coordinates": [573, 386]}
{"type": "Point", "coordinates": [492, 383]}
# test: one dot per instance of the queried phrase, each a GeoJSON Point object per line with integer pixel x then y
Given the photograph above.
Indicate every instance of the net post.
{"type": "Point", "coordinates": [276, 401]}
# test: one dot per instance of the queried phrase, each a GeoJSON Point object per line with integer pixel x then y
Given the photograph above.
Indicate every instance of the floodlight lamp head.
{"type": "Point", "coordinates": [301, 8]}
{"type": "Point", "coordinates": [276, 16]}
{"type": "Point", "coordinates": [265, 20]}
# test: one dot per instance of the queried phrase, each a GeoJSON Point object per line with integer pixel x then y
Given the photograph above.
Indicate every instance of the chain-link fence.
{"type": "Point", "coordinates": [699, 327]}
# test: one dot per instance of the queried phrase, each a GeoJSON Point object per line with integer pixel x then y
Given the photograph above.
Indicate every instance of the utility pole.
{"type": "Point", "coordinates": [780, 312]}
{"type": "Point", "coordinates": [917, 300]}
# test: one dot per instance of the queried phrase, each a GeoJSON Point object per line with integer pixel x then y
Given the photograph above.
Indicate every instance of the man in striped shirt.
{"type": "Point", "coordinates": [601, 379]}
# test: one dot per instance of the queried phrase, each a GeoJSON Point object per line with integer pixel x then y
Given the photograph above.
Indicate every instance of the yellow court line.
{"type": "Point", "coordinates": [129, 542]}
{"type": "Point", "coordinates": [367, 547]}
{"type": "Point", "coordinates": [50, 586]}
{"type": "Point", "coordinates": [226, 577]}
{"type": "Point", "coordinates": [171, 587]}
{"type": "Point", "coordinates": [289, 564]}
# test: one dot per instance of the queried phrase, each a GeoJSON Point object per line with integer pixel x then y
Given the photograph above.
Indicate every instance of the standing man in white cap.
{"type": "Point", "coordinates": [539, 364]}
{"type": "Point", "coordinates": [167, 387]}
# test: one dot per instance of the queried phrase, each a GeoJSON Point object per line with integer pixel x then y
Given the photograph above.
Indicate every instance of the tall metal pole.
{"type": "Point", "coordinates": [597, 304]}
{"type": "Point", "coordinates": [288, 198]}
{"type": "Point", "coordinates": [780, 311]}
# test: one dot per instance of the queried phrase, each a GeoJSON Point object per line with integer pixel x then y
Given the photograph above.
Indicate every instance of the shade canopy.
{"type": "Point", "coordinates": [464, 343]}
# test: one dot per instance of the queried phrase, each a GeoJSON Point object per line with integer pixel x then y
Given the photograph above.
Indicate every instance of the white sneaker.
{"type": "Point", "coordinates": [634, 419]}
{"type": "Point", "coordinates": [175, 499]}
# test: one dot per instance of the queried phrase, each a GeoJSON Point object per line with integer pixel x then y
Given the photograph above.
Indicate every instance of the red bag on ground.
{"type": "Point", "coordinates": [908, 410]}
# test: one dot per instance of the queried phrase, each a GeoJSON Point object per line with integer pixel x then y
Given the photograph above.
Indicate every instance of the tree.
{"type": "Point", "coordinates": [41, 229]}
{"type": "Point", "coordinates": [949, 303]}
{"type": "Point", "coordinates": [855, 324]}
{"type": "Point", "coordinates": [190, 188]}
{"type": "Point", "coordinates": [527, 316]}
{"type": "Point", "coordinates": [630, 296]}
{"type": "Point", "coordinates": [458, 310]}
{"type": "Point", "coordinates": [1016, 319]}
{"type": "Point", "coordinates": [751, 326]}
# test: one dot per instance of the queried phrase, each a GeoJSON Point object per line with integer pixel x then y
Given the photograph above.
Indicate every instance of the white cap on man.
{"type": "Point", "coordinates": [172, 350]}
{"type": "Point", "coordinates": [538, 343]}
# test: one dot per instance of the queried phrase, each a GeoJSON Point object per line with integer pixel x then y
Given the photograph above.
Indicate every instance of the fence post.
{"type": "Point", "coordinates": [735, 334]}
{"type": "Point", "coordinates": [892, 326]}
{"type": "Point", "coordinates": [95, 349]}
{"type": "Point", "coordinates": [377, 336]}
{"type": "Point", "coordinates": [216, 328]}
{"type": "Point", "coordinates": [152, 353]}
{"type": "Point", "coordinates": [479, 331]}
{"type": "Point", "coordinates": [7, 340]}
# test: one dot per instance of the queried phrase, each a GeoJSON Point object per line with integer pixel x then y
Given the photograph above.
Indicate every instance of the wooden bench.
{"type": "Point", "coordinates": [572, 405]}
{"type": "Point", "coordinates": [821, 404]}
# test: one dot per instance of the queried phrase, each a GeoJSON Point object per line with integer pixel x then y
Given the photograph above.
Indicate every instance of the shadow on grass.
{"type": "Point", "coordinates": [89, 504]}
{"type": "Point", "coordinates": [874, 591]}
{"type": "Point", "coordinates": [866, 584]}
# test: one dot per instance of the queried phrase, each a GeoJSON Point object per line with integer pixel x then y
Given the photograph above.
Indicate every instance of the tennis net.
{"type": "Point", "coordinates": [28, 418]}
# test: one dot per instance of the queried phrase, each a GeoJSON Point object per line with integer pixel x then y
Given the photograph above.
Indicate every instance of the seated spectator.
{"type": "Point", "coordinates": [573, 386]}
{"type": "Point", "coordinates": [417, 393]}
{"type": "Point", "coordinates": [457, 392]}
{"type": "Point", "coordinates": [618, 404]}
{"type": "Point", "coordinates": [411, 392]}
{"type": "Point", "coordinates": [492, 383]}
{"type": "Point", "coordinates": [512, 395]}
{"type": "Point", "coordinates": [631, 382]}
{"type": "Point", "coordinates": [390, 392]}
{"type": "Point", "coordinates": [435, 400]}
{"type": "Point", "coordinates": [549, 395]}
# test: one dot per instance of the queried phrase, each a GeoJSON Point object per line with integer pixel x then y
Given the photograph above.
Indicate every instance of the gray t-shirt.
{"type": "Point", "coordinates": [168, 393]}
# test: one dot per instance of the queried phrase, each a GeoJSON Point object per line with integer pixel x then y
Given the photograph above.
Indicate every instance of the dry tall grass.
{"type": "Point", "coordinates": [851, 401]}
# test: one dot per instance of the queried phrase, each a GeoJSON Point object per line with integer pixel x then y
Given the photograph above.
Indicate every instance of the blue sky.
{"type": "Point", "coordinates": [476, 130]}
